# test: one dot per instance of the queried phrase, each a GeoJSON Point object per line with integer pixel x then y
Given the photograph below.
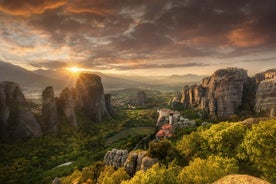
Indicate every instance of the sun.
{"type": "Point", "coordinates": [74, 69]}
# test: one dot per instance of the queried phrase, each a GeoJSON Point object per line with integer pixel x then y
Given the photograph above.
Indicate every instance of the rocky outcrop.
{"type": "Point", "coordinates": [140, 98]}
{"type": "Point", "coordinates": [239, 178]}
{"type": "Point", "coordinates": [220, 94]}
{"type": "Point", "coordinates": [49, 110]}
{"type": "Point", "coordinates": [116, 158]}
{"type": "Point", "coordinates": [148, 162]}
{"type": "Point", "coordinates": [268, 74]}
{"type": "Point", "coordinates": [16, 119]}
{"type": "Point", "coordinates": [266, 97]}
{"type": "Point", "coordinates": [66, 104]}
{"type": "Point", "coordinates": [56, 181]}
{"type": "Point", "coordinates": [134, 162]}
{"type": "Point", "coordinates": [90, 97]}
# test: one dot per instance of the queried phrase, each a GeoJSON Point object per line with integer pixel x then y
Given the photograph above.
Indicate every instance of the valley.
{"type": "Point", "coordinates": [67, 150]}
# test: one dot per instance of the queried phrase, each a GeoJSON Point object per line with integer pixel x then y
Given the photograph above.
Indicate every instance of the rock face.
{"type": "Point", "coordinates": [49, 110]}
{"type": "Point", "coordinates": [266, 92]}
{"type": "Point", "coordinates": [140, 98]}
{"type": "Point", "coordinates": [116, 158]}
{"type": "Point", "coordinates": [90, 96]}
{"type": "Point", "coordinates": [67, 104]}
{"type": "Point", "coordinates": [220, 94]}
{"type": "Point", "coordinates": [16, 120]}
{"type": "Point", "coordinates": [238, 178]}
{"type": "Point", "coordinates": [134, 162]}
{"type": "Point", "coordinates": [147, 163]}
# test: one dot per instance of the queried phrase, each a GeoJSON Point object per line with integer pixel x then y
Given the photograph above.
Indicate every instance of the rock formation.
{"type": "Point", "coordinates": [266, 92]}
{"type": "Point", "coordinates": [66, 104]}
{"type": "Point", "coordinates": [239, 178]}
{"type": "Point", "coordinates": [140, 98]}
{"type": "Point", "coordinates": [16, 119]}
{"type": "Point", "coordinates": [148, 162]}
{"type": "Point", "coordinates": [220, 94]}
{"type": "Point", "coordinates": [134, 162]}
{"type": "Point", "coordinates": [90, 96]}
{"type": "Point", "coordinates": [116, 158]}
{"type": "Point", "coordinates": [49, 110]}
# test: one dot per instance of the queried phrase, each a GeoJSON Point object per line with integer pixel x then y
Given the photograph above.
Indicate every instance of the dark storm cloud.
{"type": "Point", "coordinates": [123, 31]}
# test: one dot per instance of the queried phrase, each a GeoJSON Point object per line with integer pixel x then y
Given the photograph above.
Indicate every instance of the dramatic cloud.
{"type": "Point", "coordinates": [123, 35]}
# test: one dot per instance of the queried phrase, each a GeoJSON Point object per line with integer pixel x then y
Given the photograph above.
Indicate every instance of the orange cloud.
{"type": "Point", "coordinates": [96, 7]}
{"type": "Point", "coordinates": [244, 37]}
{"type": "Point", "coordinates": [29, 7]}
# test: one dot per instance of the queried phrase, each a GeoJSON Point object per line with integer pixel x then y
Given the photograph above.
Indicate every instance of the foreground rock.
{"type": "Point", "coordinates": [49, 110]}
{"type": "Point", "coordinates": [238, 178]}
{"type": "Point", "coordinates": [90, 97]}
{"type": "Point", "coordinates": [16, 119]}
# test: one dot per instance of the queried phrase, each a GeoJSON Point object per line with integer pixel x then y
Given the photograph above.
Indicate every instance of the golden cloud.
{"type": "Point", "coordinates": [29, 7]}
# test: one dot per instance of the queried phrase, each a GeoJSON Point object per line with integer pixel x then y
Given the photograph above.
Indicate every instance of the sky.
{"type": "Point", "coordinates": [139, 37]}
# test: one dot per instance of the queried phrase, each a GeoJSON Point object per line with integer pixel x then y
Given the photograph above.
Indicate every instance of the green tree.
{"type": "Point", "coordinates": [193, 146]}
{"type": "Point", "coordinates": [164, 151]}
{"type": "Point", "coordinates": [259, 147]}
{"type": "Point", "coordinates": [111, 176]}
{"type": "Point", "coordinates": [207, 171]}
{"type": "Point", "coordinates": [156, 175]}
{"type": "Point", "coordinates": [224, 138]}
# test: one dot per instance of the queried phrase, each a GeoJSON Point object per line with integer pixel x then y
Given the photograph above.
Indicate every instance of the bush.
{"type": "Point", "coordinates": [259, 147]}
{"type": "Point", "coordinates": [207, 171]}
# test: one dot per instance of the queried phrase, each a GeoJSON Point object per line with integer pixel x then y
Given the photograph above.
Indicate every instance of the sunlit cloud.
{"type": "Point", "coordinates": [123, 36]}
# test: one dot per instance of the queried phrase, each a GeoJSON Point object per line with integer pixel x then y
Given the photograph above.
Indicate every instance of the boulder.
{"type": "Point", "coordinates": [148, 162]}
{"type": "Point", "coordinates": [90, 96]}
{"type": "Point", "coordinates": [134, 162]}
{"type": "Point", "coordinates": [16, 119]}
{"type": "Point", "coordinates": [116, 158]}
{"type": "Point", "coordinates": [66, 104]}
{"type": "Point", "coordinates": [239, 178]}
{"type": "Point", "coordinates": [49, 110]}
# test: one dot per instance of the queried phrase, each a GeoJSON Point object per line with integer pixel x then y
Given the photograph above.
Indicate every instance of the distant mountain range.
{"type": "Point", "coordinates": [61, 78]}
{"type": "Point", "coordinates": [25, 78]}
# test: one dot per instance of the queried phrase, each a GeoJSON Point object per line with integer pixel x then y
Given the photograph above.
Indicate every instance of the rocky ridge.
{"type": "Point", "coordinates": [230, 90]}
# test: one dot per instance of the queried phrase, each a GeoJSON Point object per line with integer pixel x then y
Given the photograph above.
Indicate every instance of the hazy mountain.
{"type": "Point", "coordinates": [25, 78]}
{"type": "Point", "coordinates": [109, 82]}
{"type": "Point", "coordinates": [180, 79]}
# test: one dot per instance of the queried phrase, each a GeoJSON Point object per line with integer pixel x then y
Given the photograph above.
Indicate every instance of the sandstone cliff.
{"type": "Point", "coordinates": [16, 119]}
{"type": "Point", "coordinates": [66, 104]}
{"type": "Point", "coordinates": [266, 96]}
{"type": "Point", "coordinates": [90, 96]}
{"type": "Point", "coordinates": [49, 110]}
{"type": "Point", "coordinates": [220, 94]}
